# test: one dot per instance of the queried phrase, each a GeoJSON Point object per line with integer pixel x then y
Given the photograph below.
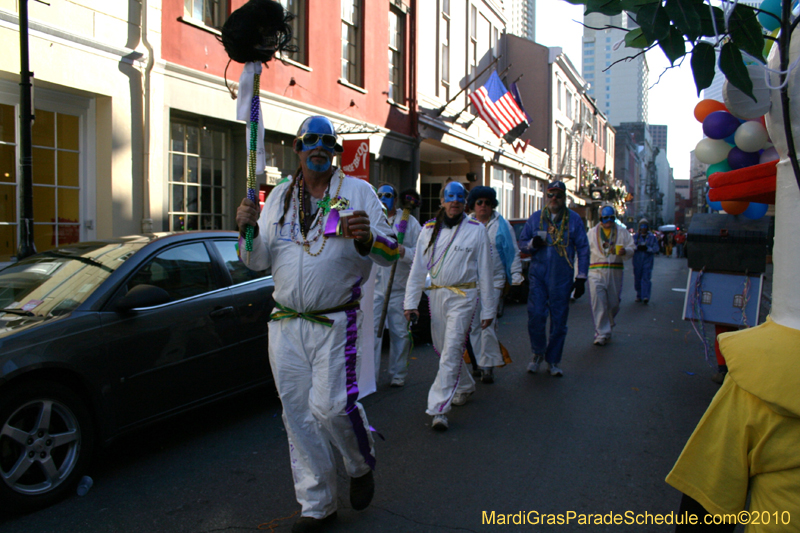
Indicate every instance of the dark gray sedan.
{"type": "Point", "coordinates": [99, 338]}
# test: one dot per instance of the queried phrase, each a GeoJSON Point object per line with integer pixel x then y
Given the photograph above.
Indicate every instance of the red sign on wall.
{"type": "Point", "coordinates": [355, 159]}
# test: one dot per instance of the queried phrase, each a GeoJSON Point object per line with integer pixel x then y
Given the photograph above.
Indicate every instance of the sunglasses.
{"type": "Point", "coordinates": [483, 202]}
{"type": "Point", "coordinates": [386, 195]}
{"type": "Point", "coordinates": [607, 218]}
{"type": "Point", "coordinates": [558, 195]}
{"type": "Point", "coordinates": [310, 140]}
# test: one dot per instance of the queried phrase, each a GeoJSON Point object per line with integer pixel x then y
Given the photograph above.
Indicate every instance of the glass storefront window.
{"type": "Point", "coordinates": [197, 183]}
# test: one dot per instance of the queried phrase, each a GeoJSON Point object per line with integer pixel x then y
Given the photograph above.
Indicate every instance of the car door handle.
{"type": "Point", "coordinates": [221, 312]}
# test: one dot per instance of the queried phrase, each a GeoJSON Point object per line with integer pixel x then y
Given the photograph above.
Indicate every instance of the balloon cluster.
{"type": "Point", "coordinates": [732, 143]}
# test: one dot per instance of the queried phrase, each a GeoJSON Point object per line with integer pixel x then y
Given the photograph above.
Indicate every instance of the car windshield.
{"type": "Point", "coordinates": [57, 281]}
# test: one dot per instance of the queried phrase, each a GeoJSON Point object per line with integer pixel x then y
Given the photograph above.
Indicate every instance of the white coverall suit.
{"type": "Point", "coordinates": [466, 263]}
{"type": "Point", "coordinates": [484, 341]}
{"type": "Point", "coordinates": [395, 320]}
{"type": "Point", "coordinates": [314, 365]}
{"type": "Point", "coordinates": [605, 276]}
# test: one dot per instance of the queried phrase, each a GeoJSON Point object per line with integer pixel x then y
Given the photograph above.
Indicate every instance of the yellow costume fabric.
{"type": "Point", "coordinates": [749, 437]}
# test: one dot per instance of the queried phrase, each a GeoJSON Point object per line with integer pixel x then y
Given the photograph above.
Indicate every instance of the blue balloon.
{"type": "Point", "coordinates": [715, 206]}
{"type": "Point", "coordinates": [737, 158]}
{"type": "Point", "coordinates": [731, 139]}
{"type": "Point", "coordinates": [755, 211]}
{"type": "Point", "coordinates": [720, 124]}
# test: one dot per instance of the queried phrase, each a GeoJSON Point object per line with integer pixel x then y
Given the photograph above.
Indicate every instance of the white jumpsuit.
{"type": "Point", "coordinates": [395, 320]}
{"type": "Point", "coordinates": [605, 276]}
{"type": "Point", "coordinates": [460, 263]}
{"type": "Point", "coordinates": [484, 341]}
{"type": "Point", "coordinates": [314, 364]}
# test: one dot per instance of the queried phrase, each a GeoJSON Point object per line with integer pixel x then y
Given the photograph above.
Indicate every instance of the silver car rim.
{"type": "Point", "coordinates": [39, 447]}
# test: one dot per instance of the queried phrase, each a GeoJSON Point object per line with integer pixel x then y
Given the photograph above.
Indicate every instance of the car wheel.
{"type": "Point", "coordinates": [46, 444]}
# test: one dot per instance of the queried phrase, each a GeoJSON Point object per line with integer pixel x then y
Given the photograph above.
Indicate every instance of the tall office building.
{"type": "Point", "coordinates": [621, 90]}
{"type": "Point", "coordinates": [658, 132]}
{"type": "Point", "coordinates": [523, 19]}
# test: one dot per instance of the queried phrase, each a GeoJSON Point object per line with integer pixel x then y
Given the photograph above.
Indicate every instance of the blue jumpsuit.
{"type": "Point", "coordinates": [551, 280]}
{"type": "Point", "coordinates": [643, 264]}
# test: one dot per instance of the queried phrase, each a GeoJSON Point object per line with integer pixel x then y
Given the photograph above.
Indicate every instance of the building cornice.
{"type": "Point", "coordinates": [10, 20]}
{"type": "Point", "coordinates": [190, 75]}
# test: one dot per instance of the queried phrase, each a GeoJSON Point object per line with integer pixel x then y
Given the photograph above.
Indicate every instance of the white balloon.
{"type": "Point", "coordinates": [711, 151]}
{"type": "Point", "coordinates": [742, 106]}
{"type": "Point", "coordinates": [751, 136]}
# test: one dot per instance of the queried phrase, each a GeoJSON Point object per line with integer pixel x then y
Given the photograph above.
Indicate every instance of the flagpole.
{"type": "Point", "coordinates": [441, 109]}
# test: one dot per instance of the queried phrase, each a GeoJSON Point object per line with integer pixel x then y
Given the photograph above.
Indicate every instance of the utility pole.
{"type": "Point", "coordinates": [26, 246]}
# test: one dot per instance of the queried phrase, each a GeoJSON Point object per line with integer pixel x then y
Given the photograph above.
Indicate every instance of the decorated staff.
{"type": "Point", "coordinates": [409, 200]}
{"type": "Point", "coordinates": [252, 35]}
{"type": "Point", "coordinates": [390, 283]}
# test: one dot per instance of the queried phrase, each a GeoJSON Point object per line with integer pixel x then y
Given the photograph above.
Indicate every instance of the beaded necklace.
{"type": "Point", "coordinates": [323, 207]}
{"type": "Point", "coordinates": [432, 263]}
{"type": "Point", "coordinates": [606, 242]}
{"type": "Point", "coordinates": [558, 230]}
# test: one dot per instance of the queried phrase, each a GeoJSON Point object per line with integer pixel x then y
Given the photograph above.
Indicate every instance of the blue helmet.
{"type": "Point", "coordinates": [607, 211]}
{"type": "Point", "coordinates": [387, 194]}
{"type": "Point", "coordinates": [318, 131]}
{"type": "Point", "coordinates": [455, 192]}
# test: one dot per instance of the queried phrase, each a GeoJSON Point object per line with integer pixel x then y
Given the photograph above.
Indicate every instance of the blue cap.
{"type": "Point", "coordinates": [557, 185]}
{"type": "Point", "coordinates": [607, 211]}
{"type": "Point", "coordinates": [481, 191]}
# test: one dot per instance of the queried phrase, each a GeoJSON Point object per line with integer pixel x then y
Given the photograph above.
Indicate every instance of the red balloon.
{"type": "Point", "coordinates": [706, 107]}
{"type": "Point", "coordinates": [734, 208]}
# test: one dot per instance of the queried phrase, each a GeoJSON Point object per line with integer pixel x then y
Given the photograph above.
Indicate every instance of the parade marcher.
{"type": "Point", "coordinates": [646, 248]}
{"type": "Point", "coordinates": [680, 242]}
{"type": "Point", "coordinates": [609, 246]}
{"type": "Point", "coordinates": [395, 320]}
{"type": "Point", "coordinates": [314, 343]}
{"type": "Point", "coordinates": [482, 201]}
{"type": "Point", "coordinates": [455, 251]}
{"type": "Point", "coordinates": [669, 240]}
{"type": "Point", "coordinates": [555, 237]}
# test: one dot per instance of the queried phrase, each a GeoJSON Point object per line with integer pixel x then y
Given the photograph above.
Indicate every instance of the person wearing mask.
{"type": "Point", "coordinates": [455, 251]}
{"type": "Point", "coordinates": [319, 233]}
{"type": "Point", "coordinates": [609, 246]}
{"type": "Point", "coordinates": [482, 202]}
{"type": "Point", "coordinates": [556, 238]}
{"type": "Point", "coordinates": [395, 320]}
{"type": "Point", "coordinates": [647, 247]}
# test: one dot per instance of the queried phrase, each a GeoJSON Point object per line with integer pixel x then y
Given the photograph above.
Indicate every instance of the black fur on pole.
{"type": "Point", "coordinates": [410, 199]}
{"type": "Point", "coordinates": [256, 31]}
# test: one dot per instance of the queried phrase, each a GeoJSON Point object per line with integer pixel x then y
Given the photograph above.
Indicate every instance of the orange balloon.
{"type": "Point", "coordinates": [733, 207]}
{"type": "Point", "coordinates": [706, 107]}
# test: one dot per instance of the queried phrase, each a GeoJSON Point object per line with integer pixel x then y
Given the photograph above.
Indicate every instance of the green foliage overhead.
{"type": "Point", "coordinates": [680, 27]}
{"type": "Point", "coordinates": [703, 59]}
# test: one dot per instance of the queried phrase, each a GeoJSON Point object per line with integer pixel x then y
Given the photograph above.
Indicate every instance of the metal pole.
{"type": "Point", "coordinates": [473, 80]}
{"type": "Point", "coordinates": [26, 246]}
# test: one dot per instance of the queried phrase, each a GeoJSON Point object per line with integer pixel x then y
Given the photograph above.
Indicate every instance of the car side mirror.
{"type": "Point", "coordinates": [142, 296]}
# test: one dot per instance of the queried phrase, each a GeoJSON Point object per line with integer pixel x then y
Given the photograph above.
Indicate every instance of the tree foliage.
{"type": "Point", "coordinates": [681, 27]}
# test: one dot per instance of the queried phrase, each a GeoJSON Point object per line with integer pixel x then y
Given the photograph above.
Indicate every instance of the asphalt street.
{"type": "Point", "coordinates": [599, 440]}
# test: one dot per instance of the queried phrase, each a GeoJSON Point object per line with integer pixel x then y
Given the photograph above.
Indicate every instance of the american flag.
{"type": "Point", "coordinates": [497, 107]}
